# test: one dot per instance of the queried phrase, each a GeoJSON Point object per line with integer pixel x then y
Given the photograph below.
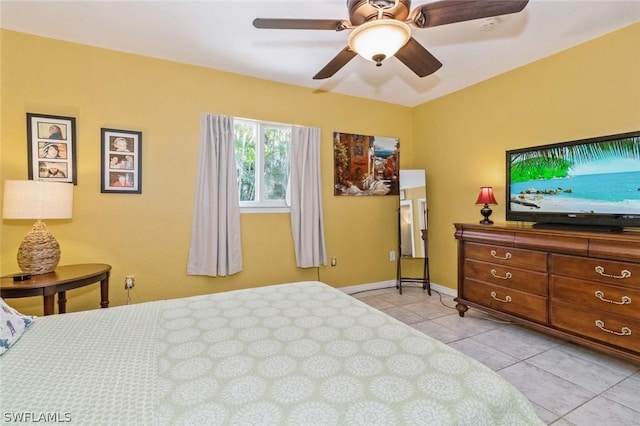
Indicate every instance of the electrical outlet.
{"type": "Point", "coordinates": [129, 282]}
{"type": "Point", "coordinates": [392, 255]}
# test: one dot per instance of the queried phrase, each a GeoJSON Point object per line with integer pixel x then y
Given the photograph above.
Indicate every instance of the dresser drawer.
{"type": "Point", "coordinates": [617, 330]}
{"type": "Point", "coordinates": [507, 276]}
{"type": "Point", "coordinates": [506, 300]}
{"type": "Point", "coordinates": [519, 258]}
{"type": "Point", "coordinates": [599, 270]}
{"type": "Point", "coordinates": [608, 298]}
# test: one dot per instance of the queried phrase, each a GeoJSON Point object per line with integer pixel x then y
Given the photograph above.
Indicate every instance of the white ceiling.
{"type": "Point", "coordinates": [219, 34]}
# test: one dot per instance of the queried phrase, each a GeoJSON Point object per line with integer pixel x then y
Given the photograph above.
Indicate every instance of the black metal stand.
{"type": "Point", "coordinates": [424, 279]}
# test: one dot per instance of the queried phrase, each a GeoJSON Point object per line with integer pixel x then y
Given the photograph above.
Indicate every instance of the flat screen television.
{"type": "Point", "coordinates": [590, 184]}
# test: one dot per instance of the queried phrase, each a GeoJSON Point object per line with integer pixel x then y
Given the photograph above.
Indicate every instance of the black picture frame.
{"type": "Point", "coordinates": [121, 158]}
{"type": "Point", "coordinates": [51, 148]}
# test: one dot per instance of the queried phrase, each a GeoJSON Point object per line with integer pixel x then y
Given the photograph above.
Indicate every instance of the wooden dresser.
{"type": "Point", "coordinates": [579, 286]}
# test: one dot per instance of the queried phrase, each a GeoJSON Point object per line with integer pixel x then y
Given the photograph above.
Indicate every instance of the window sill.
{"type": "Point", "coordinates": [264, 209]}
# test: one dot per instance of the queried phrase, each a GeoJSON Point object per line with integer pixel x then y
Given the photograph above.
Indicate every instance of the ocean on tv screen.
{"type": "Point", "coordinates": [585, 193]}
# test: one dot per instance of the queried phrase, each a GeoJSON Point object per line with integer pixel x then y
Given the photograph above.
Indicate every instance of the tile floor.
{"type": "Point", "coordinates": [566, 383]}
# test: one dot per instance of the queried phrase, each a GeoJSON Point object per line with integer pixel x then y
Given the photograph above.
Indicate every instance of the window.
{"type": "Point", "coordinates": [262, 161]}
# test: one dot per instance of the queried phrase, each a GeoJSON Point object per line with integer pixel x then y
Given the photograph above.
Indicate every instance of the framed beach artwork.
{"type": "Point", "coordinates": [121, 161]}
{"type": "Point", "coordinates": [365, 165]}
{"type": "Point", "coordinates": [51, 148]}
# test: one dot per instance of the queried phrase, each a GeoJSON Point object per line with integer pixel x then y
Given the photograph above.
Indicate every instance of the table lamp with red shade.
{"type": "Point", "coordinates": [486, 197]}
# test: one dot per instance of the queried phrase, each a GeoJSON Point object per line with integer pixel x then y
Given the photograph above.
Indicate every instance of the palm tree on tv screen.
{"type": "Point", "coordinates": [555, 162]}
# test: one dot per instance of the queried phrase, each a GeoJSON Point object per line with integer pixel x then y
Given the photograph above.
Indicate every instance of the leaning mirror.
{"type": "Point", "coordinates": [412, 230]}
{"type": "Point", "coordinates": [413, 213]}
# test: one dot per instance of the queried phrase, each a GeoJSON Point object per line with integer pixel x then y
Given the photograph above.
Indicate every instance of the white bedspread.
{"type": "Point", "coordinates": [296, 354]}
{"type": "Point", "coordinates": [93, 367]}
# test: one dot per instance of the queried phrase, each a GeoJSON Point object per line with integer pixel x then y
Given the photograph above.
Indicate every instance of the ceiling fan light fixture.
{"type": "Point", "coordinates": [379, 39]}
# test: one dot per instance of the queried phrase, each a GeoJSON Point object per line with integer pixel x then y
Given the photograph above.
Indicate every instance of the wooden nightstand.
{"type": "Point", "coordinates": [64, 278]}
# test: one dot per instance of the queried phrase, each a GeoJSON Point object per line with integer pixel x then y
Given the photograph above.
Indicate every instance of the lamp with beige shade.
{"type": "Point", "coordinates": [39, 252]}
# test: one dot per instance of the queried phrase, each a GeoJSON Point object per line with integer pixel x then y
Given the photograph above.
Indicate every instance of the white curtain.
{"type": "Point", "coordinates": [215, 232]}
{"type": "Point", "coordinates": [306, 198]}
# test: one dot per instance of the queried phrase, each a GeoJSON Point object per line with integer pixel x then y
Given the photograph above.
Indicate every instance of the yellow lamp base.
{"type": "Point", "coordinates": [39, 252]}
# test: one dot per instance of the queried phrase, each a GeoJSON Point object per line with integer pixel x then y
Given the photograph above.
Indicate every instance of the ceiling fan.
{"type": "Point", "coordinates": [381, 29]}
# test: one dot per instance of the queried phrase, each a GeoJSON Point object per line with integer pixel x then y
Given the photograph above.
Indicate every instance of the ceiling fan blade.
{"type": "Point", "coordinates": [301, 24]}
{"type": "Point", "coordinates": [450, 11]}
{"type": "Point", "coordinates": [418, 59]}
{"type": "Point", "coordinates": [334, 65]}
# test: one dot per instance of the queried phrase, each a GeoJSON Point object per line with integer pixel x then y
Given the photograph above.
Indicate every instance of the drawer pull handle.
{"type": "Point", "coordinates": [623, 274]}
{"type": "Point", "coordinates": [507, 256]}
{"type": "Point", "coordinates": [625, 331]}
{"type": "Point", "coordinates": [625, 300]}
{"type": "Point", "coordinates": [505, 300]}
{"type": "Point", "coordinates": [507, 276]}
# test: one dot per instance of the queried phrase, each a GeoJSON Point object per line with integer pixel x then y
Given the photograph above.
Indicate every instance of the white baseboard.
{"type": "Point", "coordinates": [392, 283]}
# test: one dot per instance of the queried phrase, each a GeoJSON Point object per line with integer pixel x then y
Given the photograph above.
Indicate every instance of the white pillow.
{"type": "Point", "coordinates": [12, 325]}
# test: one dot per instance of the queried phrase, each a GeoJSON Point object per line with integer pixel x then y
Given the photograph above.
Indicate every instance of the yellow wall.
{"type": "Point", "coordinates": [590, 90]}
{"type": "Point", "coordinates": [148, 234]}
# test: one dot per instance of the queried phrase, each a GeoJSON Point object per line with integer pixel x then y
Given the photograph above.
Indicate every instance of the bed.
{"type": "Point", "coordinates": [297, 354]}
